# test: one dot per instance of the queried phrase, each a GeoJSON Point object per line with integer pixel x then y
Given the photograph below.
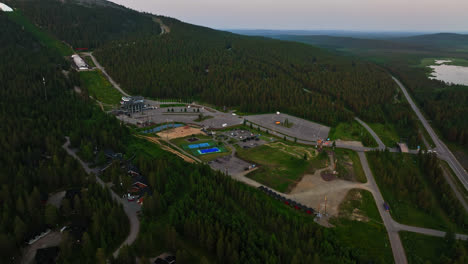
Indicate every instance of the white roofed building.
{"type": "Point", "coordinates": [5, 8]}
{"type": "Point", "coordinates": [79, 62]}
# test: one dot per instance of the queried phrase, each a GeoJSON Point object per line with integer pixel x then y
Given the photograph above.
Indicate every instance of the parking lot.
{"type": "Point", "coordinates": [301, 128]}
{"type": "Point", "coordinates": [244, 138]}
{"type": "Point", "coordinates": [184, 115]}
{"type": "Point", "coordinates": [229, 164]}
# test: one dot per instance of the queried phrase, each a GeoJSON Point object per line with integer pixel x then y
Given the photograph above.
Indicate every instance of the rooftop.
{"type": "Point", "coordinates": [5, 8]}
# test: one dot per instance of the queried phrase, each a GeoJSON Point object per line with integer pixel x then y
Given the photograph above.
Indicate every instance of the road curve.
{"type": "Point", "coordinates": [116, 85]}
{"type": "Point", "coordinates": [130, 208]}
{"type": "Point", "coordinates": [374, 135]}
{"type": "Point", "coordinates": [443, 151]}
{"type": "Point", "coordinates": [397, 247]}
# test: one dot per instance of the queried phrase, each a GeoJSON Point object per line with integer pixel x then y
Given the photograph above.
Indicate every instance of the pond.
{"type": "Point", "coordinates": [450, 74]}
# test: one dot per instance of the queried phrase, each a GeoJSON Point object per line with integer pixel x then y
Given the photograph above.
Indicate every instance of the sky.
{"type": "Point", "coordinates": [356, 15]}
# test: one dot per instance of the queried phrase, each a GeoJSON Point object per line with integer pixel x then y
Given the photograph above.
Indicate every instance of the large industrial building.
{"type": "Point", "coordinates": [79, 62]}
{"type": "Point", "coordinates": [133, 104]}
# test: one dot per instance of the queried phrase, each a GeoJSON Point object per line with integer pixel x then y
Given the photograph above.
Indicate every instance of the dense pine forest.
{"type": "Point", "coordinates": [416, 183]}
{"type": "Point", "coordinates": [206, 217]}
{"type": "Point", "coordinates": [224, 69]}
{"type": "Point", "coordinates": [89, 24]}
{"type": "Point", "coordinates": [38, 108]}
{"type": "Point", "coordinates": [446, 105]}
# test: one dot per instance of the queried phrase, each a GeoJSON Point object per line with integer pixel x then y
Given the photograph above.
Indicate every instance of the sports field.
{"type": "Point", "coordinates": [281, 165]}
{"type": "Point", "coordinates": [204, 148]}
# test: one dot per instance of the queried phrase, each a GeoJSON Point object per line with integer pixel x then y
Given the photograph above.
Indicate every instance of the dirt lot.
{"type": "Point", "coordinates": [230, 164]}
{"type": "Point", "coordinates": [179, 132]}
{"type": "Point", "coordinates": [50, 240]}
{"type": "Point", "coordinates": [312, 190]}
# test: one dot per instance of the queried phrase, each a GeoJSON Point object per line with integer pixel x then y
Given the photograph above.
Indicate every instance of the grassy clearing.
{"type": "Point", "coordinates": [428, 249]}
{"type": "Point", "coordinates": [202, 117]}
{"type": "Point", "coordinates": [142, 147]}
{"type": "Point", "coordinates": [89, 61]}
{"type": "Point", "coordinates": [350, 172]}
{"type": "Point", "coordinates": [359, 225]}
{"type": "Point", "coordinates": [183, 141]}
{"type": "Point", "coordinates": [281, 166]}
{"type": "Point", "coordinates": [387, 133]}
{"type": "Point", "coordinates": [100, 88]}
{"type": "Point", "coordinates": [421, 248]}
{"type": "Point", "coordinates": [460, 187]}
{"type": "Point", "coordinates": [352, 132]}
{"type": "Point", "coordinates": [43, 37]}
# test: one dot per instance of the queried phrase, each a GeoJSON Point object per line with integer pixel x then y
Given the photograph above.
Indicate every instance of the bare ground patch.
{"type": "Point", "coordinates": [326, 196]}
{"type": "Point", "coordinates": [179, 132]}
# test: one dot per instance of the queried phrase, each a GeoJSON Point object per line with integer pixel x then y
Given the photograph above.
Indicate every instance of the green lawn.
{"type": "Point", "coordinates": [89, 61]}
{"type": "Point", "coordinates": [143, 147]}
{"type": "Point", "coordinates": [100, 88]}
{"type": "Point", "coordinates": [369, 235]}
{"type": "Point", "coordinates": [352, 132]}
{"type": "Point", "coordinates": [344, 156]}
{"type": "Point", "coordinates": [278, 169]}
{"type": "Point", "coordinates": [43, 37]}
{"type": "Point", "coordinates": [386, 133]}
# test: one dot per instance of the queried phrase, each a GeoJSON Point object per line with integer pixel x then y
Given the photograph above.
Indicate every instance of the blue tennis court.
{"type": "Point", "coordinates": [196, 146]}
{"type": "Point", "coordinates": [208, 151]}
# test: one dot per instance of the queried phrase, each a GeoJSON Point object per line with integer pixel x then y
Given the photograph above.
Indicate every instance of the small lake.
{"type": "Point", "coordinates": [450, 74]}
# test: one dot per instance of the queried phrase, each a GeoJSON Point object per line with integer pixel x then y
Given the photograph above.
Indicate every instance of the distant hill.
{"type": "Point", "coordinates": [440, 40]}
{"type": "Point", "coordinates": [334, 33]}
{"type": "Point", "coordinates": [333, 42]}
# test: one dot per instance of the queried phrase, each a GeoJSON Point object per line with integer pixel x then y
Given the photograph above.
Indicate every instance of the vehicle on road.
{"type": "Point", "coordinates": [386, 206]}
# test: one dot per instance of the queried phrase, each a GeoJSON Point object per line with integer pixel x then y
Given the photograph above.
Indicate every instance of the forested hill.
{"type": "Point", "coordinates": [38, 109]}
{"type": "Point", "coordinates": [86, 23]}
{"type": "Point", "coordinates": [252, 74]}
{"type": "Point", "coordinates": [438, 41]}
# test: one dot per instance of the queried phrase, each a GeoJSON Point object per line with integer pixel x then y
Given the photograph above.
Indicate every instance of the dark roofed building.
{"type": "Point", "coordinates": [133, 104]}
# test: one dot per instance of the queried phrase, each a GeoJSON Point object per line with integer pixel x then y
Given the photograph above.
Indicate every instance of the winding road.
{"type": "Point", "coordinates": [130, 208]}
{"type": "Point", "coordinates": [374, 135]}
{"type": "Point", "coordinates": [116, 85]}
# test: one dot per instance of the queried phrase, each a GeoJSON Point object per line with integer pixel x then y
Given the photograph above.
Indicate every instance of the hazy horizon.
{"type": "Point", "coordinates": [357, 15]}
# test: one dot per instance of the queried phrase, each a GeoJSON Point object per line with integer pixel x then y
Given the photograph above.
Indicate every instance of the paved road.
{"type": "Point", "coordinates": [116, 85]}
{"type": "Point", "coordinates": [377, 139]}
{"type": "Point", "coordinates": [443, 152]}
{"type": "Point", "coordinates": [50, 240]}
{"type": "Point", "coordinates": [130, 208]}
{"type": "Point", "coordinates": [397, 247]}
{"type": "Point", "coordinates": [391, 225]}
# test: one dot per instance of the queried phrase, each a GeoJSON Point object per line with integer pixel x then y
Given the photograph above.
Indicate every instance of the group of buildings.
{"type": "Point", "coordinates": [132, 104]}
